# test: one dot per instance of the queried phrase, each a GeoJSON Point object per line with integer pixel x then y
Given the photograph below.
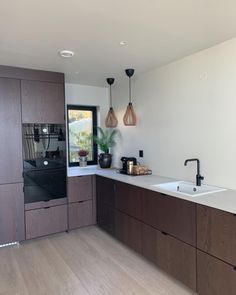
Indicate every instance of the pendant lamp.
{"type": "Point", "coordinates": [111, 120]}
{"type": "Point", "coordinates": [129, 117]}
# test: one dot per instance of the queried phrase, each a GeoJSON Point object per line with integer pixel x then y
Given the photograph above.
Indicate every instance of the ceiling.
{"type": "Point", "coordinates": [157, 31]}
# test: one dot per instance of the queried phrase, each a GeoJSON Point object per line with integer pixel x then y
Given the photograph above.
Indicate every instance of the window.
{"type": "Point", "coordinates": [82, 125]}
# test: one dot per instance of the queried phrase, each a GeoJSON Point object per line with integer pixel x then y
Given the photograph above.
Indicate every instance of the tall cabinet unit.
{"type": "Point", "coordinates": [27, 96]}
{"type": "Point", "coordinates": [11, 181]}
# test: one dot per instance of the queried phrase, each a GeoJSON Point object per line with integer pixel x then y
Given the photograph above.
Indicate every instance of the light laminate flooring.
{"type": "Point", "coordinates": [86, 261]}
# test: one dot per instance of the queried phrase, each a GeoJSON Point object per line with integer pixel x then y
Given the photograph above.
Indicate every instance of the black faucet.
{"type": "Point", "coordinates": [199, 178]}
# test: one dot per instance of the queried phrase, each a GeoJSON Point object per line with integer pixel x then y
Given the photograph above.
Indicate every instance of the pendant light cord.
{"type": "Point", "coordinates": [110, 98]}
{"type": "Point", "coordinates": [129, 90]}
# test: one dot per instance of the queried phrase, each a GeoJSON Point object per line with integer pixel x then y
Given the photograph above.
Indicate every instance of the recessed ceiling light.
{"type": "Point", "coordinates": [77, 73]}
{"type": "Point", "coordinates": [66, 53]}
{"type": "Point", "coordinates": [123, 43]}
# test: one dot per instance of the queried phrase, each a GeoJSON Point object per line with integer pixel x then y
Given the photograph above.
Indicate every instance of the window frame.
{"type": "Point", "coordinates": [93, 109]}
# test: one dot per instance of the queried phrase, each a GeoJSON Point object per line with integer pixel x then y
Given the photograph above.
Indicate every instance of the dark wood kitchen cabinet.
{"type": "Point", "coordinates": [128, 230]}
{"type": "Point", "coordinates": [128, 199]}
{"type": "Point", "coordinates": [216, 232]}
{"type": "Point", "coordinates": [173, 256]}
{"type": "Point", "coordinates": [42, 102]}
{"type": "Point", "coordinates": [10, 132]}
{"type": "Point", "coordinates": [214, 277]}
{"type": "Point", "coordinates": [169, 214]}
{"type": "Point", "coordinates": [105, 204]}
{"type": "Point", "coordinates": [12, 226]}
{"type": "Point", "coordinates": [45, 221]}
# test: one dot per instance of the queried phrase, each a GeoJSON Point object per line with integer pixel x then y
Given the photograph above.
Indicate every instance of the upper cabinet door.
{"type": "Point", "coordinates": [10, 132]}
{"type": "Point", "coordinates": [42, 102]}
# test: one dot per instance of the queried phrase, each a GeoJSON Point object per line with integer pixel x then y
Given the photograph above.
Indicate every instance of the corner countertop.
{"type": "Point", "coordinates": [225, 200]}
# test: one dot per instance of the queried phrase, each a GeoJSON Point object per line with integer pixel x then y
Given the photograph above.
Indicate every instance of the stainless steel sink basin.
{"type": "Point", "coordinates": [188, 188]}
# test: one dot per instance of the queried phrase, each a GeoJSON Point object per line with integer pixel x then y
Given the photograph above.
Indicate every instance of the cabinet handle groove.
{"type": "Point", "coordinates": [234, 267]}
{"type": "Point", "coordinates": [46, 207]}
{"type": "Point", "coordinates": [164, 233]}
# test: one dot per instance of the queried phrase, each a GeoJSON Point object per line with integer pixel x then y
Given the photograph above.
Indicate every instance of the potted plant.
{"type": "Point", "coordinates": [83, 158]}
{"type": "Point", "coordinates": [105, 140]}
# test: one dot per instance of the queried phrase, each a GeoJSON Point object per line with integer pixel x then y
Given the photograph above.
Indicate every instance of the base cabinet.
{"type": "Point", "coordinates": [128, 230]}
{"type": "Point", "coordinates": [173, 256]}
{"type": "Point", "coordinates": [45, 221]}
{"type": "Point", "coordinates": [80, 214]}
{"type": "Point", "coordinates": [214, 276]}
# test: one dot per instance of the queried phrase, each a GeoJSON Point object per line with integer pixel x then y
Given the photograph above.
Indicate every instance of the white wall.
{"type": "Point", "coordinates": [185, 109]}
{"type": "Point", "coordinates": [77, 94]}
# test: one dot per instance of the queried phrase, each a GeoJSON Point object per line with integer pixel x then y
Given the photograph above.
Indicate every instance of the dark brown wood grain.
{"type": "Point", "coordinates": [80, 214]}
{"type": "Point", "coordinates": [105, 190]}
{"type": "Point", "coordinates": [128, 230]}
{"type": "Point", "coordinates": [177, 258]}
{"type": "Point", "coordinates": [80, 188]}
{"type": "Point", "coordinates": [11, 163]}
{"type": "Point", "coordinates": [12, 227]}
{"type": "Point", "coordinates": [45, 221]}
{"type": "Point", "coordinates": [31, 74]}
{"type": "Point", "coordinates": [178, 218]}
{"type": "Point", "coordinates": [128, 199]}
{"type": "Point", "coordinates": [173, 256]}
{"type": "Point", "coordinates": [216, 233]}
{"type": "Point", "coordinates": [214, 277]}
{"type": "Point", "coordinates": [42, 102]}
{"type": "Point", "coordinates": [175, 216]}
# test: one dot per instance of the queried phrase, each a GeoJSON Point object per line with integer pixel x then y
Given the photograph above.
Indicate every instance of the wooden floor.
{"type": "Point", "coordinates": [85, 261]}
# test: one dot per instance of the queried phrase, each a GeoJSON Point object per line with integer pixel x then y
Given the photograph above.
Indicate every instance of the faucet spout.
{"type": "Point", "coordinates": [199, 178]}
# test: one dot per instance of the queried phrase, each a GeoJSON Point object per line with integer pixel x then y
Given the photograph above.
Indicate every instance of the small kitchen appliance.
{"type": "Point", "coordinates": [127, 164]}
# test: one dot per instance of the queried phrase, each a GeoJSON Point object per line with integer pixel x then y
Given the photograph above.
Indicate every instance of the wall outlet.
{"type": "Point", "coordinates": [140, 153]}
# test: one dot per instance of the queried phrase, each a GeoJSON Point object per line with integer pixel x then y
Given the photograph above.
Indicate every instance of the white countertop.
{"type": "Point", "coordinates": [225, 200]}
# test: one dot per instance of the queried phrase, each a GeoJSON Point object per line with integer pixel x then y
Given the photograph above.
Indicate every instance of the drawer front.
{"type": "Point", "coordinates": [50, 203]}
{"type": "Point", "coordinates": [216, 233]}
{"type": "Point", "coordinates": [215, 277]}
{"type": "Point", "coordinates": [80, 214]}
{"type": "Point", "coordinates": [128, 230]}
{"type": "Point", "coordinates": [45, 221]}
{"type": "Point", "coordinates": [173, 256]}
{"type": "Point", "coordinates": [177, 258]}
{"type": "Point", "coordinates": [128, 199]}
{"type": "Point", "coordinates": [177, 218]}
{"type": "Point", "coordinates": [80, 188]}
{"type": "Point", "coordinates": [172, 215]}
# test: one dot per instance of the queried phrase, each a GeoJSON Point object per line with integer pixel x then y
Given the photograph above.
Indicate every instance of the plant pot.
{"type": "Point", "coordinates": [105, 160]}
{"type": "Point", "coordinates": [83, 161]}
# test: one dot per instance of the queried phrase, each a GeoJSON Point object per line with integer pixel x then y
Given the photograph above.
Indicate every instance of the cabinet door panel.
{"type": "Point", "coordinates": [151, 203]}
{"type": "Point", "coordinates": [216, 233]}
{"type": "Point", "coordinates": [173, 256]}
{"type": "Point", "coordinates": [105, 190]}
{"type": "Point", "coordinates": [80, 188]}
{"type": "Point", "coordinates": [42, 102]}
{"type": "Point", "coordinates": [42, 222]}
{"type": "Point", "coordinates": [178, 218]}
{"type": "Point", "coordinates": [128, 230]}
{"type": "Point", "coordinates": [80, 214]}
{"type": "Point", "coordinates": [12, 226]}
{"type": "Point", "coordinates": [214, 277]}
{"type": "Point", "coordinates": [11, 162]}
{"type": "Point", "coordinates": [106, 217]}
{"type": "Point", "coordinates": [128, 199]}
{"type": "Point", "coordinates": [177, 258]}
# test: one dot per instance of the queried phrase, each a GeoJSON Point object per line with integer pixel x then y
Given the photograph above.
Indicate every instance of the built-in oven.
{"type": "Point", "coordinates": [44, 156]}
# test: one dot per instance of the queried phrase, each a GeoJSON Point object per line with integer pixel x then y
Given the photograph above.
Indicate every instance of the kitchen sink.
{"type": "Point", "coordinates": [188, 188]}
